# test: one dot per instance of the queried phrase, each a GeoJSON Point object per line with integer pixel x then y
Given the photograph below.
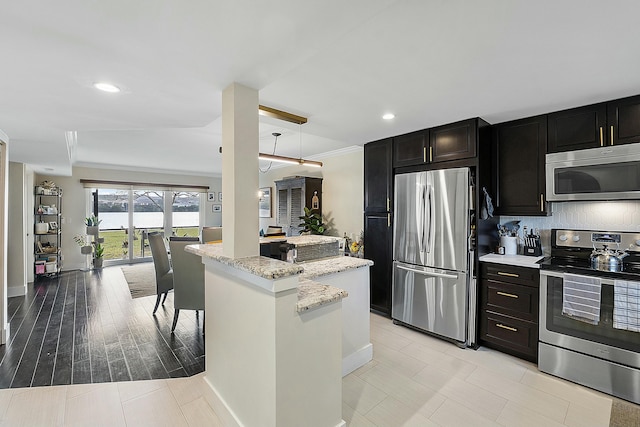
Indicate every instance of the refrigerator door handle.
{"type": "Point", "coordinates": [430, 222]}
{"type": "Point", "coordinates": [427, 273]}
{"type": "Point", "coordinates": [423, 205]}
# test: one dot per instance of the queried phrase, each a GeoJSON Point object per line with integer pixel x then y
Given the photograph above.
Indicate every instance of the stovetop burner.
{"type": "Point", "coordinates": [571, 251]}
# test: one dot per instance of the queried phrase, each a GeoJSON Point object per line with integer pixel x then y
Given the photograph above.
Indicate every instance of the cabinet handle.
{"type": "Point", "coordinates": [388, 220]}
{"type": "Point", "coordinates": [502, 273]}
{"type": "Point", "coordinates": [601, 137]}
{"type": "Point", "coordinates": [388, 204]}
{"type": "Point", "coordinates": [507, 295]}
{"type": "Point", "coordinates": [430, 154]}
{"type": "Point", "coordinates": [611, 135]}
{"type": "Point", "coordinates": [509, 328]}
{"type": "Point", "coordinates": [541, 202]}
{"type": "Point", "coordinates": [424, 154]}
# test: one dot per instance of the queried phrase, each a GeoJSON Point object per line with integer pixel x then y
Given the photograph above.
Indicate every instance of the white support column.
{"type": "Point", "coordinates": [240, 171]}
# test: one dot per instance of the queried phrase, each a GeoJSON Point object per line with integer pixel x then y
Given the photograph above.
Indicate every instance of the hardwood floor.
{"type": "Point", "coordinates": [83, 327]}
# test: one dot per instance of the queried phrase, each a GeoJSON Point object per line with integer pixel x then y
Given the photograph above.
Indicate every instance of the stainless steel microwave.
{"type": "Point", "coordinates": [606, 173]}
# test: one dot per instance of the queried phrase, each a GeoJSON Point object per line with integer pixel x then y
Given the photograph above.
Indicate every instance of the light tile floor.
{"type": "Point", "coordinates": [414, 380]}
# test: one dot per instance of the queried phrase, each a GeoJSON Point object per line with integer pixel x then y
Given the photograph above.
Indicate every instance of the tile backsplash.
{"type": "Point", "coordinates": [605, 216]}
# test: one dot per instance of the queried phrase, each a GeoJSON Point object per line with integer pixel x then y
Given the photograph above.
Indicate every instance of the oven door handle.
{"type": "Point", "coordinates": [560, 274]}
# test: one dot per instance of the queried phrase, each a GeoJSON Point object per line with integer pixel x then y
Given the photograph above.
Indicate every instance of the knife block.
{"type": "Point", "coordinates": [535, 250]}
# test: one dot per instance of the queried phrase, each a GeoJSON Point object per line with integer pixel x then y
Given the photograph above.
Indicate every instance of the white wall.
{"type": "Point", "coordinates": [604, 216]}
{"type": "Point", "coordinates": [342, 190]}
{"type": "Point", "coordinates": [74, 201]}
{"type": "Point", "coordinates": [18, 230]}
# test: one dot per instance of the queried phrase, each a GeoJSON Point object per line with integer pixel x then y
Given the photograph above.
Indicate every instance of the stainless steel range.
{"type": "Point", "coordinates": [590, 310]}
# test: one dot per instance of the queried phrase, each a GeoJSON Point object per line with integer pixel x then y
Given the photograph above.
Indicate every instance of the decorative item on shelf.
{"type": "Point", "coordinates": [311, 222]}
{"type": "Point", "coordinates": [92, 224]}
{"type": "Point", "coordinates": [40, 210]}
{"type": "Point", "coordinates": [98, 255]}
{"type": "Point", "coordinates": [81, 240]}
{"type": "Point", "coordinates": [42, 227]}
{"type": "Point", "coordinates": [356, 248]}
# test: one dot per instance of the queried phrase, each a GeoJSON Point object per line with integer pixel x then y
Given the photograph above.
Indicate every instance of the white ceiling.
{"type": "Point", "coordinates": [340, 63]}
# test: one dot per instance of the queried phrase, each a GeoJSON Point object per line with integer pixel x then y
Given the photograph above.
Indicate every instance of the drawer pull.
{"type": "Point", "coordinates": [507, 295]}
{"type": "Point", "coordinates": [509, 328]}
{"type": "Point", "coordinates": [502, 273]}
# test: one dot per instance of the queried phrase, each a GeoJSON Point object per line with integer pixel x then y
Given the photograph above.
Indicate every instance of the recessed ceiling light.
{"type": "Point", "coordinates": [106, 87]}
{"type": "Point", "coordinates": [389, 116]}
{"type": "Point", "coordinates": [48, 169]}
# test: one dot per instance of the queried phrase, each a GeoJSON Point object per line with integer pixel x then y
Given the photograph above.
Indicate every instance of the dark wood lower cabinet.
{"type": "Point", "coordinates": [509, 300]}
{"type": "Point", "coordinates": [378, 248]}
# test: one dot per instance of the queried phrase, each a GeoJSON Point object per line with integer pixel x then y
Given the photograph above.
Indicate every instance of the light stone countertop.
{"type": "Point", "coordinates": [299, 241]}
{"type": "Point", "coordinates": [310, 294]}
{"type": "Point", "coordinates": [519, 260]}
{"type": "Point", "coordinates": [313, 294]}
{"type": "Point", "coordinates": [326, 266]}
{"type": "Point", "coordinates": [311, 239]}
{"type": "Point", "coordinates": [267, 268]}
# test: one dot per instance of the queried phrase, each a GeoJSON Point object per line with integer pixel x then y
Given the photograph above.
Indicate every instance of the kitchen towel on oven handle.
{"type": "Point", "coordinates": [626, 305]}
{"type": "Point", "coordinates": [581, 298]}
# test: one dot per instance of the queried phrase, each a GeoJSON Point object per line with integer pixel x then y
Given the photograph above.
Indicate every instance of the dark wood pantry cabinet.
{"type": "Point", "coordinates": [608, 123]}
{"type": "Point", "coordinates": [378, 221]}
{"type": "Point", "coordinates": [519, 148]}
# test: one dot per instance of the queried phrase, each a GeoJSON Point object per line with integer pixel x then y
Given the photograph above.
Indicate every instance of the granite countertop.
{"type": "Point", "coordinates": [311, 239]}
{"type": "Point", "coordinates": [313, 294]}
{"type": "Point", "coordinates": [519, 260]}
{"type": "Point", "coordinates": [310, 294]}
{"type": "Point", "coordinates": [325, 266]}
{"type": "Point", "coordinates": [267, 268]}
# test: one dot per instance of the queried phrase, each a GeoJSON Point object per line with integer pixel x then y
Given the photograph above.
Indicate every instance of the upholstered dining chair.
{"type": "Point", "coordinates": [164, 273]}
{"type": "Point", "coordinates": [211, 234]}
{"type": "Point", "coordinates": [188, 277]}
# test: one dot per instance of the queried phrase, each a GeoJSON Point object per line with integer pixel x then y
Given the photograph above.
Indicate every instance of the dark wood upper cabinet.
{"type": "Point", "coordinates": [623, 120]}
{"type": "Point", "coordinates": [519, 148]}
{"type": "Point", "coordinates": [378, 176]}
{"type": "Point", "coordinates": [578, 128]}
{"type": "Point", "coordinates": [411, 149]}
{"type": "Point", "coordinates": [608, 123]}
{"type": "Point", "coordinates": [454, 141]}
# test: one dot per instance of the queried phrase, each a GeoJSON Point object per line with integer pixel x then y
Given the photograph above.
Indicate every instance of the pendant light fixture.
{"type": "Point", "coordinates": [283, 115]}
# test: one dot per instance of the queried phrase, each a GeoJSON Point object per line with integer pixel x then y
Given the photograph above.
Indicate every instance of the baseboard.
{"type": "Point", "coordinates": [223, 412]}
{"type": "Point", "coordinates": [219, 406]}
{"type": "Point", "coordinates": [6, 333]}
{"type": "Point", "coordinates": [357, 359]}
{"type": "Point", "coordinates": [16, 291]}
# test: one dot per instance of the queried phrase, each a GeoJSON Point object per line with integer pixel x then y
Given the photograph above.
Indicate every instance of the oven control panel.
{"type": "Point", "coordinates": [588, 239]}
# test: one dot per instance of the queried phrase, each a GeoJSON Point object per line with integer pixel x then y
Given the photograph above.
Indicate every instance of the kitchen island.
{"type": "Point", "coordinates": [275, 337]}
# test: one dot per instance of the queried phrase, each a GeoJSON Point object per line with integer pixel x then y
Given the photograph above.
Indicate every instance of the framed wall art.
{"type": "Point", "coordinates": [265, 202]}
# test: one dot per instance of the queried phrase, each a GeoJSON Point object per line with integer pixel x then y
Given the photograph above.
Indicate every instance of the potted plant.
{"type": "Point", "coordinates": [98, 254]}
{"type": "Point", "coordinates": [311, 222]}
{"type": "Point", "coordinates": [92, 224]}
{"type": "Point", "coordinates": [85, 249]}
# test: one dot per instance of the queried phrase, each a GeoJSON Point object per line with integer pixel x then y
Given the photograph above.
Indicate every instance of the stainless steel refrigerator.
{"type": "Point", "coordinates": [432, 257]}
